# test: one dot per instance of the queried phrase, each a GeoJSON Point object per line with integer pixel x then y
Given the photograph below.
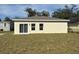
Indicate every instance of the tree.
{"type": "Point", "coordinates": [39, 14]}
{"type": "Point", "coordinates": [67, 12]}
{"type": "Point", "coordinates": [45, 13]}
{"type": "Point", "coordinates": [0, 19]}
{"type": "Point", "coordinates": [7, 19]}
{"type": "Point", "coordinates": [30, 12]}
{"type": "Point", "coordinates": [77, 14]}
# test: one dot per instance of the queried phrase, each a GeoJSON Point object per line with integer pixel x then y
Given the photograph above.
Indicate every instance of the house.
{"type": "Point", "coordinates": [40, 25]}
{"type": "Point", "coordinates": [6, 25]}
{"type": "Point", "coordinates": [74, 25]}
{"type": "Point", "coordinates": [1, 25]}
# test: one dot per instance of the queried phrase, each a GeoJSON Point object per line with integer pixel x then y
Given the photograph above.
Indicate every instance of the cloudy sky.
{"type": "Point", "coordinates": [12, 10]}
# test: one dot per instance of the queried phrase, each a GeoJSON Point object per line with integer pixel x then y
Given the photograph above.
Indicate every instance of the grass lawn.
{"type": "Point", "coordinates": [39, 43]}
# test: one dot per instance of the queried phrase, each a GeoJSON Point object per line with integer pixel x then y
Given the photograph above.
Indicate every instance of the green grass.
{"type": "Point", "coordinates": [39, 43]}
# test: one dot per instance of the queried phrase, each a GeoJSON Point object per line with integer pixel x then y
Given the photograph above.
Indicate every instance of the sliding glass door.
{"type": "Point", "coordinates": [23, 28]}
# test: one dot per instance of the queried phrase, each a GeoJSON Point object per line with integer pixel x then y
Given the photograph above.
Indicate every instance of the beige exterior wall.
{"type": "Point", "coordinates": [49, 27]}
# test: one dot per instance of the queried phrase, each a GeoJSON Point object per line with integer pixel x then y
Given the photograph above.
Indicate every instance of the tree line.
{"type": "Point", "coordinates": [67, 12]}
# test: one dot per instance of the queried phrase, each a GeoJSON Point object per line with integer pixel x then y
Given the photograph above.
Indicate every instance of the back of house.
{"type": "Point", "coordinates": [34, 25]}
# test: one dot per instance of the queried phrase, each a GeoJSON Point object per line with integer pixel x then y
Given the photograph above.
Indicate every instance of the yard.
{"type": "Point", "coordinates": [39, 43]}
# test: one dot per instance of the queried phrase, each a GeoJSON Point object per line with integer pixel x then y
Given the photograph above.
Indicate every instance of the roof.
{"type": "Point", "coordinates": [36, 18]}
{"type": "Point", "coordinates": [5, 21]}
{"type": "Point", "coordinates": [74, 20]}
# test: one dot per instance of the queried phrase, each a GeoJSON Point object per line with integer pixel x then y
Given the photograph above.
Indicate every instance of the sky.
{"type": "Point", "coordinates": [17, 10]}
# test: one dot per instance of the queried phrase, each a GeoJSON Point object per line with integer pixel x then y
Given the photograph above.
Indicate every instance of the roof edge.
{"type": "Point", "coordinates": [27, 20]}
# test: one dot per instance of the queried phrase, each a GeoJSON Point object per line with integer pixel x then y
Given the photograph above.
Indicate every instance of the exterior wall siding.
{"type": "Point", "coordinates": [1, 25]}
{"type": "Point", "coordinates": [49, 27]}
{"type": "Point", "coordinates": [7, 27]}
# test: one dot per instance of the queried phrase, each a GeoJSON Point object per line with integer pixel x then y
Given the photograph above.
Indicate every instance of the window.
{"type": "Point", "coordinates": [23, 28]}
{"type": "Point", "coordinates": [4, 24]}
{"type": "Point", "coordinates": [40, 26]}
{"type": "Point", "coordinates": [32, 26]}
